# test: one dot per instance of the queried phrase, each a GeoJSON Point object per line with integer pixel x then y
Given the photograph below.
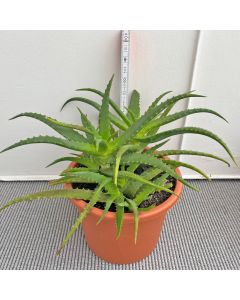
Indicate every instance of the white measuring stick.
{"type": "Point", "coordinates": [125, 49]}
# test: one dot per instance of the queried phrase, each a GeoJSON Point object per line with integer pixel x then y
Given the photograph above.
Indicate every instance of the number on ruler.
{"type": "Point", "coordinates": [124, 70]}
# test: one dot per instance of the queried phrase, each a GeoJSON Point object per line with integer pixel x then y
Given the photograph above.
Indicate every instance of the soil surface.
{"type": "Point", "coordinates": [156, 198]}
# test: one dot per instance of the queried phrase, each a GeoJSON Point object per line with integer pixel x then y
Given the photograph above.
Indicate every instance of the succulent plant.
{"type": "Point", "coordinates": [109, 155]}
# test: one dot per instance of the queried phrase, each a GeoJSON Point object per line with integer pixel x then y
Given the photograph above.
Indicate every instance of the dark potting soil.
{"type": "Point", "coordinates": [156, 198]}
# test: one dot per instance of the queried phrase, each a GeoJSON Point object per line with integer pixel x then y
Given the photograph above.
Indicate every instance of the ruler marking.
{"type": "Point", "coordinates": [125, 45]}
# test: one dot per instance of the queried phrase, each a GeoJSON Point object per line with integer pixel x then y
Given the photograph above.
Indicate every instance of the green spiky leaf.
{"type": "Point", "coordinates": [119, 217]}
{"type": "Point", "coordinates": [163, 153]}
{"type": "Point", "coordinates": [68, 133]}
{"type": "Point", "coordinates": [135, 128]}
{"type": "Point", "coordinates": [69, 194]}
{"type": "Point", "coordinates": [108, 204]}
{"type": "Point", "coordinates": [154, 162]}
{"type": "Point", "coordinates": [83, 215]}
{"type": "Point", "coordinates": [80, 160]}
{"type": "Point", "coordinates": [118, 158]}
{"type": "Point", "coordinates": [84, 176]}
{"type": "Point", "coordinates": [87, 124]}
{"type": "Point", "coordinates": [94, 104]}
{"type": "Point", "coordinates": [157, 100]}
{"type": "Point", "coordinates": [142, 180]}
{"type": "Point", "coordinates": [130, 115]}
{"type": "Point", "coordinates": [184, 130]}
{"type": "Point", "coordinates": [146, 190]}
{"type": "Point", "coordinates": [157, 146]}
{"type": "Point", "coordinates": [104, 121]}
{"type": "Point", "coordinates": [134, 106]}
{"type": "Point", "coordinates": [134, 208]}
{"type": "Point", "coordinates": [177, 164]}
{"type": "Point", "coordinates": [132, 186]}
{"type": "Point", "coordinates": [111, 102]}
{"type": "Point", "coordinates": [171, 118]}
{"type": "Point", "coordinates": [74, 145]}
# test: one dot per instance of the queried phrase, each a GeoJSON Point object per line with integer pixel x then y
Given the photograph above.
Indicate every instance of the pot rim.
{"type": "Point", "coordinates": [166, 205]}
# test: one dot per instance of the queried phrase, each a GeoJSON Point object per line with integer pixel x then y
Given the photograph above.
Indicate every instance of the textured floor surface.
{"type": "Point", "coordinates": [202, 231]}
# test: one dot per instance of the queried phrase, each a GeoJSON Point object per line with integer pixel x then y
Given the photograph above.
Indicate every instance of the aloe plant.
{"type": "Point", "coordinates": [109, 155]}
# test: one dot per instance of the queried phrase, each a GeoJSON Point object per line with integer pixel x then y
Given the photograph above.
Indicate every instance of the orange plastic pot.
{"type": "Point", "coordinates": [101, 238]}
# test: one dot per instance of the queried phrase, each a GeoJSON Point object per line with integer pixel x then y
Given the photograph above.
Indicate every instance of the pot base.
{"type": "Point", "coordinates": [121, 261]}
{"type": "Point", "coordinates": [101, 238]}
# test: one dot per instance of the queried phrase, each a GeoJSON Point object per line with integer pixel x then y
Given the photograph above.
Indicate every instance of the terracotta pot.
{"type": "Point", "coordinates": [101, 238]}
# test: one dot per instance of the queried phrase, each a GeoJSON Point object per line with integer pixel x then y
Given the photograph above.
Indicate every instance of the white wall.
{"type": "Point", "coordinates": [39, 70]}
{"type": "Point", "coordinates": [216, 74]}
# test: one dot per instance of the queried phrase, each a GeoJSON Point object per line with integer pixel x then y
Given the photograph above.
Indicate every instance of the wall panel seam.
{"type": "Point", "coordinates": [191, 81]}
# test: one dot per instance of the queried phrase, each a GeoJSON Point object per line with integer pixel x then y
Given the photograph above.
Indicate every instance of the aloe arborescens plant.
{"type": "Point", "coordinates": [109, 155]}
